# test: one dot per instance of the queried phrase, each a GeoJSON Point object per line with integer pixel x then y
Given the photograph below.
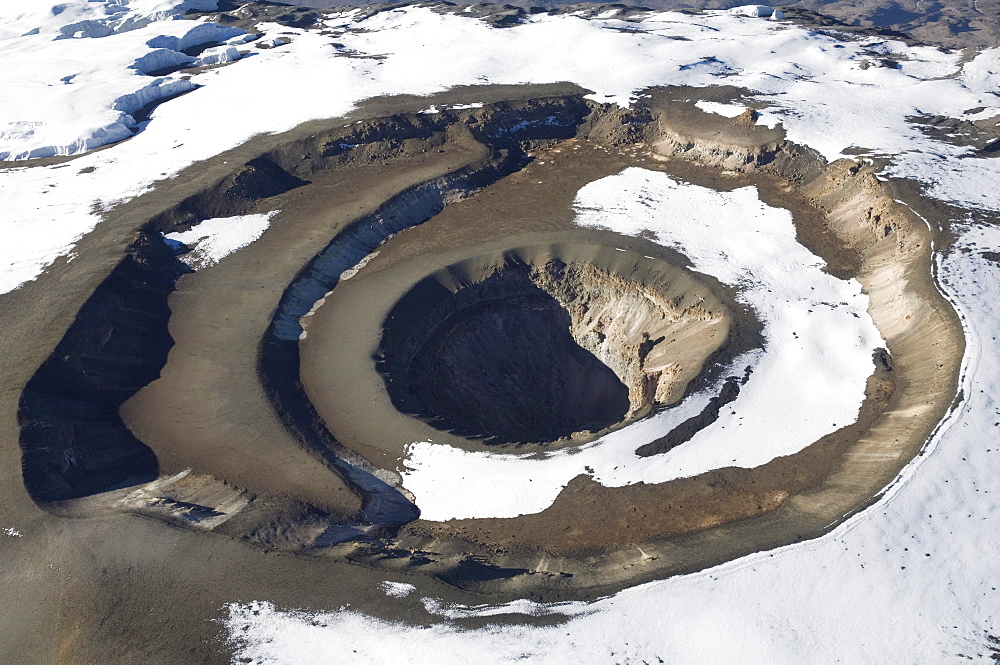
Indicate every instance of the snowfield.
{"type": "Point", "coordinates": [49, 111]}
{"type": "Point", "coordinates": [912, 579]}
{"type": "Point", "coordinates": [78, 88]}
{"type": "Point", "coordinates": [818, 337]}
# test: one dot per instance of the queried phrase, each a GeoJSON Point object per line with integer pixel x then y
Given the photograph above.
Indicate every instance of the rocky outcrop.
{"type": "Point", "coordinates": [655, 342]}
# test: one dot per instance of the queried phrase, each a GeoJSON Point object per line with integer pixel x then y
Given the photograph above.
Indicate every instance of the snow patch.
{"type": "Point", "coordinates": [212, 240]}
{"type": "Point", "coordinates": [753, 11]}
{"type": "Point", "coordinates": [397, 589]}
{"type": "Point", "coordinates": [66, 97]}
{"type": "Point", "coordinates": [156, 90]}
{"type": "Point", "coordinates": [161, 58]}
{"type": "Point", "coordinates": [201, 33]}
{"type": "Point", "coordinates": [78, 19]}
{"type": "Point", "coordinates": [217, 55]}
{"type": "Point", "coordinates": [351, 272]}
{"type": "Point", "coordinates": [727, 110]}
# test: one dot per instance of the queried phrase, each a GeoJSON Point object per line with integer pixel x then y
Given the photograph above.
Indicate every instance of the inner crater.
{"type": "Point", "coordinates": [533, 347]}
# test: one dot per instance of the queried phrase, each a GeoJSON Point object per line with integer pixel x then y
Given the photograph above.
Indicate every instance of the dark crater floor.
{"type": "Point", "coordinates": [496, 360]}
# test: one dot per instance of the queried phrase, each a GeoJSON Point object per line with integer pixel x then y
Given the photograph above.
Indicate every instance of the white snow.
{"type": "Point", "coordinates": [397, 589]}
{"type": "Point", "coordinates": [912, 579]}
{"type": "Point", "coordinates": [358, 267]}
{"type": "Point", "coordinates": [753, 11]}
{"type": "Point", "coordinates": [212, 240]}
{"type": "Point", "coordinates": [12, 532]}
{"type": "Point", "coordinates": [819, 340]}
{"type": "Point", "coordinates": [68, 96]}
{"type": "Point", "coordinates": [727, 110]}
{"type": "Point", "coordinates": [160, 58]}
{"type": "Point", "coordinates": [90, 19]}
{"type": "Point", "coordinates": [217, 55]}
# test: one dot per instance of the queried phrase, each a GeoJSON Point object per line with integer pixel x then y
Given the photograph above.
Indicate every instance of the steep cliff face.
{"type": "Point", "coordinates": [74, 443]}
{"type": "Point", "coordinates": [655, 340]}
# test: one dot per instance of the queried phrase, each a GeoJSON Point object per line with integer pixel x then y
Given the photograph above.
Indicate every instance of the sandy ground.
{"type": "Point", "coordinates": [188, 415]}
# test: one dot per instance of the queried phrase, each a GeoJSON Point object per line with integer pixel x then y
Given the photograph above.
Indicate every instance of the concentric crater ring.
{"type": "Point", "coordinates": [75, 450]}
{"type": "Point", "coordinates": [517, 338]}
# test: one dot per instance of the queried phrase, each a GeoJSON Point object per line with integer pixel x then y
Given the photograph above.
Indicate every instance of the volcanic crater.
{"type": "Point", "coordinates": [271, 397]}
{"type": "Point", "coordinates": [529, 348]}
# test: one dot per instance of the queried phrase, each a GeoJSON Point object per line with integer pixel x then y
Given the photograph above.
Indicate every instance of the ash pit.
{"type": "Point", "coordinates": [496, 360]}
{"type": "Point", "coordinates": [532, 349]}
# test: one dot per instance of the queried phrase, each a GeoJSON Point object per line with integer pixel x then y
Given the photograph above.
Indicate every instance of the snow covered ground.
{"type": "Point", "coordinates": [77, 87]}
{"type": "Point", "coordinates": [912, 580]}
{"type": "Point", "coordinates": [818, 337]}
